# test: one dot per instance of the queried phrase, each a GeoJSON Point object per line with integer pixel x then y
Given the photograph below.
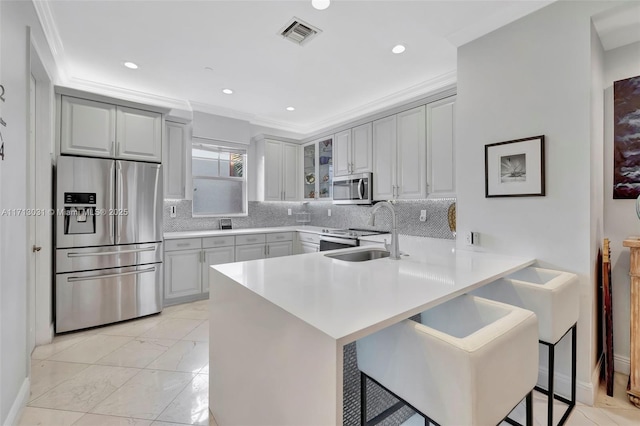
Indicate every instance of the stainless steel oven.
{"type": "Point", "coordinates": [333, 239]}
{"type": "Point", "coordinates": [352, 189]}
{"type": "Point", "coordinates": [334, 243]}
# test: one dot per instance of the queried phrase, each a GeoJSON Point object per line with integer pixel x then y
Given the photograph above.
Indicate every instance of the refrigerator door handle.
{"type": "Point", "coordinates": [111, 219]}
{"type": "Point", "coordinates": [119, 201]}
{"type": "Point", "coordinates": [101, 277]}
{"type": "Point", "coordinates": [107, 253]}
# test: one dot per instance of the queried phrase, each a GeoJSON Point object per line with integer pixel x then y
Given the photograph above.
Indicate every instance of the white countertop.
{"type": "Point", "coordinates": [242, 231]}
{"type": "Point", "coordinates": [348, 300]}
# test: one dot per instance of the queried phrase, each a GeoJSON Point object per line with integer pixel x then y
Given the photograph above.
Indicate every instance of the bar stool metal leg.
{"type": "Point", "coordinates": [363, 399]}
{"type": "Point", "coordinates": [550, 392]}
{"type": "Point", "coordinates": [529, 407]}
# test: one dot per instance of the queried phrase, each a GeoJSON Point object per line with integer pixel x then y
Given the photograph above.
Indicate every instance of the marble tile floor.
{"type": "Point", "coordinates": [149, 371]}
{"type": "Point", "coordinates": [155, 371]}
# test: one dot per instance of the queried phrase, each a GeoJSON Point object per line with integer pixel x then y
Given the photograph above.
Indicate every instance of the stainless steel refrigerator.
{"type": "Point", "coordinates": [108, 237]}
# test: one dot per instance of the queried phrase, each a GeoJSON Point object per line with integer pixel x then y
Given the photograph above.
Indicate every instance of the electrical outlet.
{"type": "Point", "coordinates": [172, 211]}
{"type": "Point", "coordinates": [289, 212]}
{"type": "Point", "coordinates": [423, 215]}
{"type": "Point", "coordinates": [329, 212]}
{"type": "Point", "coordinates": [472, 238]}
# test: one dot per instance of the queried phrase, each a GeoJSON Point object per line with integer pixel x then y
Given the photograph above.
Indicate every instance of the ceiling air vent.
{"type": "Point", "coordinates": [299, 31]}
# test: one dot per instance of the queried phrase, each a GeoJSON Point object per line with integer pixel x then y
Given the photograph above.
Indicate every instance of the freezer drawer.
{"type": "Point", "coordinates": [88, 299]}
{"type": "Point", "coordinates": [87, 259]}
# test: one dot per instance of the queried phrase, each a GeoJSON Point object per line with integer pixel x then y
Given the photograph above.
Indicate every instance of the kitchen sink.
{"type": "Point", "coordinates": [360, 256]}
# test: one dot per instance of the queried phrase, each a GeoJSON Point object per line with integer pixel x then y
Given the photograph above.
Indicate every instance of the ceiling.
{"type": "Point", "coordinates": [346, 71]}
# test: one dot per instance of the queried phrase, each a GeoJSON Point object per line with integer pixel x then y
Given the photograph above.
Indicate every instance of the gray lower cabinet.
{"type": "Point", "coordinates": [262, 246]}
{"type": "Point", "coordinates": [182, 273]}
{"type": "Point", "coordinates": [215, 256]}
{"type": "Point", "coordinates": [308, 242]}
{"type": "Point", "coordinates": [186, 263]}
{"type": "Point", "coordinates": [279, 244]}
{"type": "Point", "coordinates": [187, 260]}
{"type": "Point", "coordinates": [309, 247]}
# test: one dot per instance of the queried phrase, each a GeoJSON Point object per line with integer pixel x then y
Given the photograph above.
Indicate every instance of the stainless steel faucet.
{"type": "Point", "coordinates": [393, 247]}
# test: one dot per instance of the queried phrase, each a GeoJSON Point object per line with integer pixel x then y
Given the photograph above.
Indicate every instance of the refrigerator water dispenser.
{"type": "Point", "coordinates": [79, 213]}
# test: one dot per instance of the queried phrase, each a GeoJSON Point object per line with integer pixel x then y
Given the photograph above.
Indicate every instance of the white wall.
{"type": "Point", "coordinates": [529, 78]}
{"type": "Point", "coordinates": [620, 215]}
{"type": "Point", "coordinates": [597, 166]}
{"type": "Point", "coordinates": [16, 18]}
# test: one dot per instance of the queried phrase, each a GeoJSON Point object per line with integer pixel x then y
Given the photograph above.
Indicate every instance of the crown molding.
{"type": "Point", "coordinates": [251, 118]}
{"type": "Point", "coordinates": [404, 96]}
{"type": "Point", "coordinates": [52, 35]}
{"type": "Point", "coordinates": [127, 94]}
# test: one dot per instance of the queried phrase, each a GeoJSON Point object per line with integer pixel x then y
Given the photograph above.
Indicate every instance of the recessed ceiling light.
{"type": "Point", "coordinates": [227, 91]}
{"type": "Point", "coordinates": [291, 109]}
{"type": "Point", "coordinates": [131, 65]}
{"type": "Point", "coordinates": [398, 49]}
{"type": "Point", "coordinates": [320, 4]}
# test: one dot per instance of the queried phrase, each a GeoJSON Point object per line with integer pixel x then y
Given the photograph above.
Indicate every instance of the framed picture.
{"type": "Point", "coordinates": [514, 168]}
{"type": "Point", "coordinates": [626, 138]}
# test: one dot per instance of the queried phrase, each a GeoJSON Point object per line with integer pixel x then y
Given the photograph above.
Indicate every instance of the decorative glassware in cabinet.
{"type": "Point", "coordinates": [325, 168]}
{"type": "Point", "coordinates": [309, 171]}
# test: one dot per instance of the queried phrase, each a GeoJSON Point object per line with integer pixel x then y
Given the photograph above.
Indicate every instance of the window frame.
{"type": "Point", "coordinates": [225, 147]}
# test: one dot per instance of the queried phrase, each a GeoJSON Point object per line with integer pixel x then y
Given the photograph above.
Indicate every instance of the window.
{"type": "Point", "coordinates": [219, 180]}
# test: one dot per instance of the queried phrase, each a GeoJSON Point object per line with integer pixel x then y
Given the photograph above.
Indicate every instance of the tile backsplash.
{"type": "Point", "coordinates": [266, 214]}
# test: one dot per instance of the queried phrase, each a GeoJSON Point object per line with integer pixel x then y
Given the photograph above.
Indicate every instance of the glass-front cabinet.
{"type": "Point", "coordinates": [317, 169]}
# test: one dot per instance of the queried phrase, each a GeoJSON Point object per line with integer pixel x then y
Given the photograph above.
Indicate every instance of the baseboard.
{"type": "Point", "coordinates": [46, 337]}
{"type": "Point", "coordinates": [622, 364]}
{"type": "Point", "coordinates": [585, 391]}
{"type": "Point", "coordinates": [13, 418]}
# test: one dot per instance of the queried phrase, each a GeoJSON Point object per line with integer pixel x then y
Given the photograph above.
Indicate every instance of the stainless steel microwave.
{"type": "Point", "coordinates": [352, 189]}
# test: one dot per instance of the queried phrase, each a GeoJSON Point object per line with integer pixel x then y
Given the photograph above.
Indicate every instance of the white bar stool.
{"type": "Point", "coordinates": [469, 362]}
{"type": "Point", "coordinates": [554, 296]}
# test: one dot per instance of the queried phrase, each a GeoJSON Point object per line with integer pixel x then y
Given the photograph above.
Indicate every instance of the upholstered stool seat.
{"type": "Point", "coordinates": [469, 361]}
{"type": "Point", "coordinates": [554, 296]}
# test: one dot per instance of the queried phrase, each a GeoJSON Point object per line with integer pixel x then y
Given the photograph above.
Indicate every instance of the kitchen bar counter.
{"type": "Point", "coordinates": [278, 325]}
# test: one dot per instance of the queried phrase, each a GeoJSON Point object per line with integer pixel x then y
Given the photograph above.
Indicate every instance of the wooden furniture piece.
{"type": "Point", "coordinates": [633, 390]}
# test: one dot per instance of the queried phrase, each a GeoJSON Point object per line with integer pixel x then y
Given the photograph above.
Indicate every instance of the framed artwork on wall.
{"type": "Point", "coordinates": [515, 168]}
{"type": "Point", "coordinates": [626, 138]}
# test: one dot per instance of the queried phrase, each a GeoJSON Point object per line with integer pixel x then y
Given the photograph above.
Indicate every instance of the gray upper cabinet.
{"type": "Point", "coordinates": [411, 154]}
{"type": "Point", "coordinates": [352, 151]}
{"type": "Point", "coordinates": [87, 127]}
{"type": "Point", "coordinates": [361, 149]}
{"type": "Point", "coordinates": [399, 157]}
{"type": "Point", "coordinates": [139, 134]}
{"type": "Point", "coordinates": [440, 139]}
{"type": "Point", "coordinates": [101, 129]}
{"type": "Point", "coordinates": [174, 160]}
{"type": "Point", "coordinates": [277, 171]}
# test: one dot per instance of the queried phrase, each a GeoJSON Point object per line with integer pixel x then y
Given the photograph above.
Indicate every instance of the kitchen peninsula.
{"type": "Point", "coordinates": [278, 326]}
